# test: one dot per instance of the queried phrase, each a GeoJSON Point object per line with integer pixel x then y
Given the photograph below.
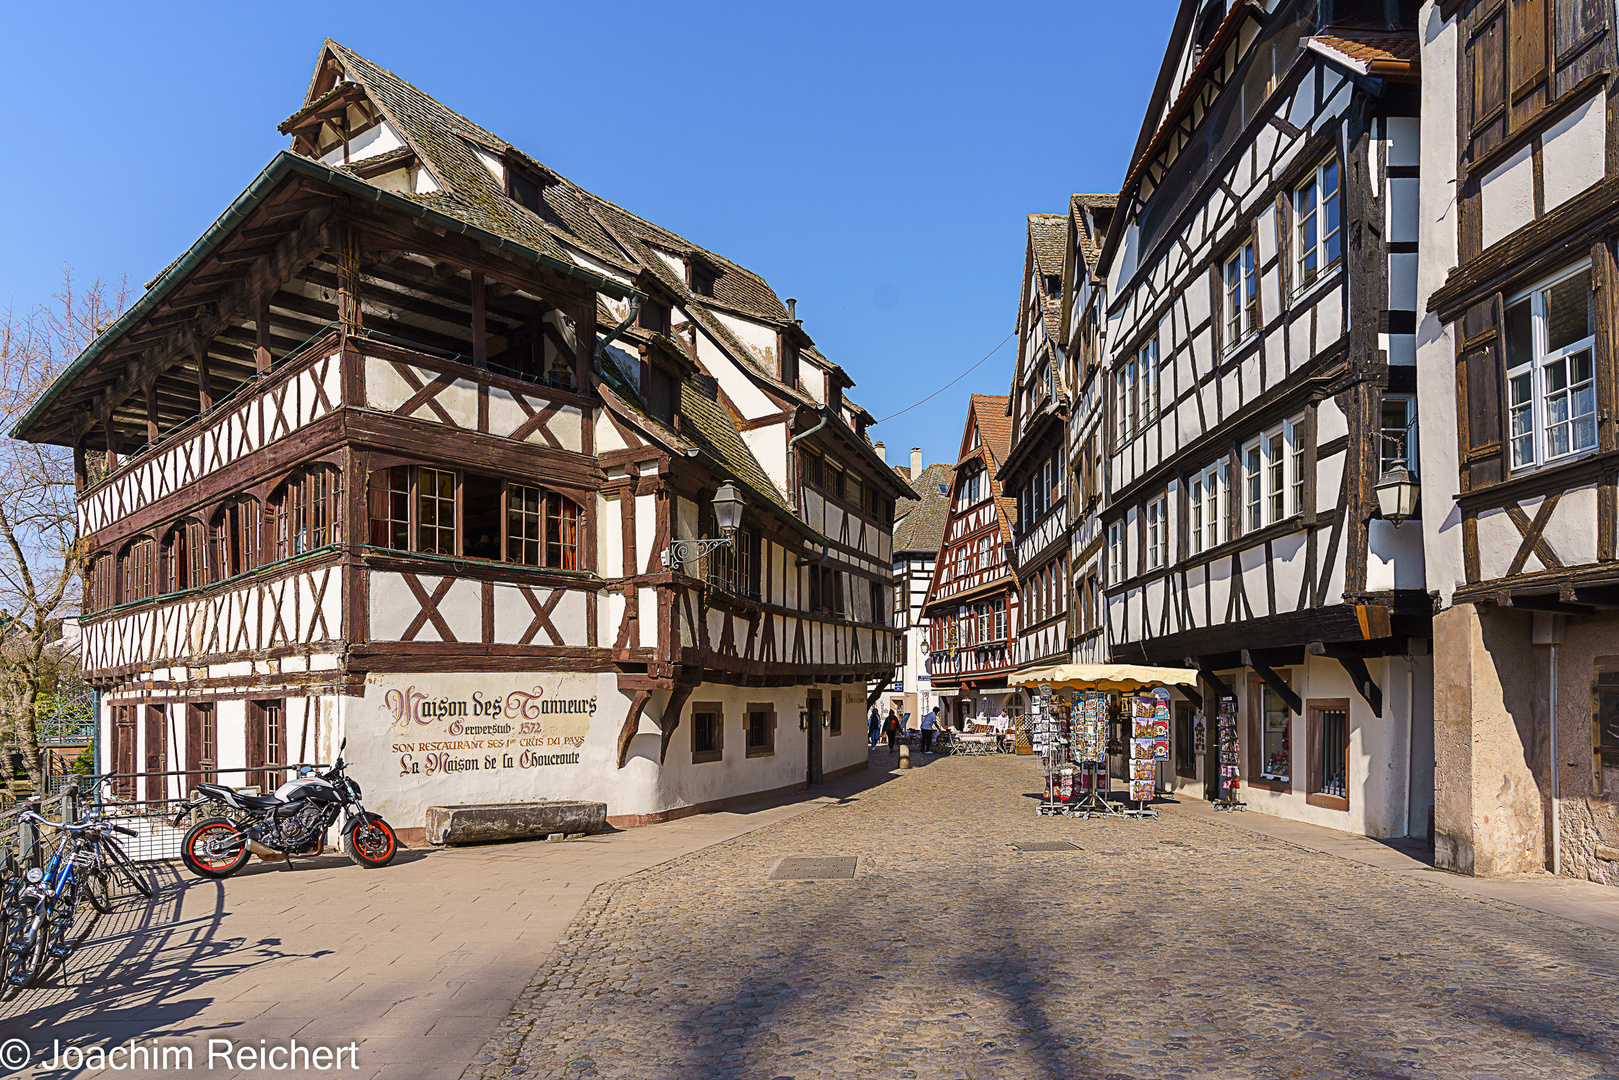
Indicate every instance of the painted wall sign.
{"type": "Point", "coordinates": [451, 724]}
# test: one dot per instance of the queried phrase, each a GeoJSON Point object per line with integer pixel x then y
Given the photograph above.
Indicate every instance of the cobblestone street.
{"type": "Point", "coordinates": [1186, 947]}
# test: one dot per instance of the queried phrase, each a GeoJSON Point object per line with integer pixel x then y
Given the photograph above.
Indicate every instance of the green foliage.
{"type": "Point", "coordinates": [85, 763]}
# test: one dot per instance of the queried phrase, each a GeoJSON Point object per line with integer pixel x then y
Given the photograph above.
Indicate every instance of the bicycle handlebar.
{"type": "Point", "coordinates": [83, 826]}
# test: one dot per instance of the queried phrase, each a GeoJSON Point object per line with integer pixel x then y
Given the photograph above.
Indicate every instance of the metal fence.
{"type": "Point", "coordinates": [158, 837]}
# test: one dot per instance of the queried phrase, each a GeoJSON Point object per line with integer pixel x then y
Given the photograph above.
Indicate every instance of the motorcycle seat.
{"type": "Point", "coordinates": [225, 794]}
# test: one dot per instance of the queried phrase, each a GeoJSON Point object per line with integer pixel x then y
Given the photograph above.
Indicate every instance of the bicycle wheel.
{"type": "Point", "coordinates": [24, 956]}
{"type": "Point", "coordinates": [126, 869]}
{"type": "Point", "coordinates": [98, 889]}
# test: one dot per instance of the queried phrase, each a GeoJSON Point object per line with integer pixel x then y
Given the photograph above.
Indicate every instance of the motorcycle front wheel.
{"type": "Point", "coordinates": [214, 848]}
{"type": "Point", "coordinates": [371, 843]}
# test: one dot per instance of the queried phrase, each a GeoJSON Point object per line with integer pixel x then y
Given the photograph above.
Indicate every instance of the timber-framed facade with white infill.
{"type": "Point", "coordinates": [1260, 318]}
{"type": "Point", "coordinates": [972, 603]}
{"type": "Point", "coordinates": [1035, 475]}
{"type": "Point", "coordinates": [1520, 463]}
{"type": "Point", "coordinates": [395, 452]}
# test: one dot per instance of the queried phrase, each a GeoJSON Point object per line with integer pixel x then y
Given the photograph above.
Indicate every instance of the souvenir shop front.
{"type": "Point", "coordinates": [1091, 722]}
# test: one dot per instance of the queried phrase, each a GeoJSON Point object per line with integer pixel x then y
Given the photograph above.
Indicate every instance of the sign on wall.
{"type": "Point", "coordinates": [443, 725]}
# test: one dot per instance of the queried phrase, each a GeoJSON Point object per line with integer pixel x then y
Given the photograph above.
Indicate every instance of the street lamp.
{"type": "Point", "coordinates": [728, 505]}
{"type": "Point", "coordinates": [1397, 489]}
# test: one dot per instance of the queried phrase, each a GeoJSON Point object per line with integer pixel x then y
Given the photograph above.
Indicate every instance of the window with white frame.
{"type": "Point", "coordinates": [1293, 431]}
{"type": "Point", "coordinates": [1275, 476]}
{"type": "Point", "coordinates": [1241, 295]}
{"type": "Point", "coordinates": [1115, 553]}
{"type": "Point", "coordinates": [1318, 240]}
{"type": "Point", "coordinates": [1147, 381]}
{"type": "Point", "coordinates": [1253, 478]}
{"type": "Point", "coordinates": [1399, 434]}
{"type": "Point", "coordinates": [1206, 529]}
{"type": "Point", "coordinates": [1125, 380]}
{"type": "Point", "coordinates": [1158, 533]}
{"type": "Point", "coordinates": [1551, 384]}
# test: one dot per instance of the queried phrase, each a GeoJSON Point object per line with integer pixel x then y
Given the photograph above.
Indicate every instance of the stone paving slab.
{"type": "Point", "coordinates": [418, 962]}
{"type": "Point", "coordinates": [1183, 947]}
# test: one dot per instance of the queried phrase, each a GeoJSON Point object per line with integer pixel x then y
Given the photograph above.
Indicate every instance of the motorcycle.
{"type": "Point", "coordinates": [293, 821]}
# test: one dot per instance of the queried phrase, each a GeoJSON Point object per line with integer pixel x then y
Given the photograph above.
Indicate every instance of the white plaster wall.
{"type": "Point", "coordinates": [1436, 348]}
{"type": "Point", "coordinates": [1508, 195]}
{"type": "Point", "coordinates": [1573, 152]}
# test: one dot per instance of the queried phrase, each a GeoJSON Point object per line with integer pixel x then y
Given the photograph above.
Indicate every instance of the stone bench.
{"type": "Point", "coordinates": [484, 822]}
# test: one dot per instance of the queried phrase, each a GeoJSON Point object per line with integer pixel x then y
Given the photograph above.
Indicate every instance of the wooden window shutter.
{"type": "Point", "coordinates": [1487, 59]}
{"type": "Point", "coordinates": [1479, 386]}
{"type": "Point", "coordinates": [255, 738]}
{"type": "Point", "coordinates": [1528, 45]}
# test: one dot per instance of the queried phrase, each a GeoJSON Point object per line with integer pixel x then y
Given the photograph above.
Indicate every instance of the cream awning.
{"type": "Point", "coordinates": [1105, 676]}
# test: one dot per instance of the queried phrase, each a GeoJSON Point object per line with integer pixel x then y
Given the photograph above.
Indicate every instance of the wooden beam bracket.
{"type": "Point", "coordinates": [1277, 684]}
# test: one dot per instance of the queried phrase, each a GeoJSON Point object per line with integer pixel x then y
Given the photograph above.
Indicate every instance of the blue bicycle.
{"type": "Point", "coordinates": [41, 907]}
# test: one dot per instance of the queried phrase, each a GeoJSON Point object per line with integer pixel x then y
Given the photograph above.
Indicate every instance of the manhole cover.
{"type": "Point", "coordinates": [1046, 845]}
{"type": "Point", "coordinates": [831, 868]}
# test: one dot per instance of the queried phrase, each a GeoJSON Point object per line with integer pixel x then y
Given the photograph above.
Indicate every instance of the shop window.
{"type": "Point", "coordinates": [761, 729]}
{"type": "Point", "coordinates": [1329, 754]}
{"type": "Point", "coordinates": [1272, 731]}
{"type": "Point", "coordinates": [1605, 724]}
{"type": "Point", "coordinates": [304, 512]}
{"type": "Point", "coordinates": [266, 742]}
{"type": "Point", "coordinates": [1185, 742]}
{"type": "Point", "coordinates": [707, 732]}
{"type": "Point", "coordinates": [202, 745]}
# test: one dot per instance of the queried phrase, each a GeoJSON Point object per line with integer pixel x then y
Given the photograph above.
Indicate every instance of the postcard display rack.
{"type": "Point", "coordinates": [1230, 757]}
{"type": "Point", "coordinates": [1072, 725]}
{"type": "Point", "coordinates": [1047, 726]}
{"type": "Point", "coordinates": [1149, 744]}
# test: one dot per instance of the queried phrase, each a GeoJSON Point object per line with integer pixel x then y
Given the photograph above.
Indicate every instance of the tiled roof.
{"type": "Point", "coordinates": [1369, 52]}
{"type": "Point", "coordinates": [448, 143]}
{"type": "Point", "coordinates": [1100, 209]}
{"type": "Point", "coordinates": [994, 426]}
{"type": "Point", "coordinates": [1047, 237]}
{"type": "Point", "coordinates": [919, 522]}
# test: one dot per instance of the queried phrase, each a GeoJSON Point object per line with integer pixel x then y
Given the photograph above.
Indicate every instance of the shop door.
{"type": "Point", "coordinates": [812, 702]}
{"type": "Point", "coordinates": [1211, 745]}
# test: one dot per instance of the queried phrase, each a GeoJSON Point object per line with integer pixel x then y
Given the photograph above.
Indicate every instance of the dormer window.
{"type": "Point", "coordinates": [1053, 284]}
{"type": "Point", "coordinates": [789, 364]}
{"type": "Point", "coordinates": [522, 188]}
{"type": "Point", "coordinates": [699, 276]}
{"type": "Point", "coordinates": [654, 317]}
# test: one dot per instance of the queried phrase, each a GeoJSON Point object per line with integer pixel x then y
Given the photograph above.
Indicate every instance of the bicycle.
{"type": "Point", "coordinates": [39, 916]}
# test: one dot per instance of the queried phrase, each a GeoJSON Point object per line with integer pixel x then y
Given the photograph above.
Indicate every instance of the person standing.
{"type": "Point", "coordinates": [874, 727]}
{"type": "Point", "coordinates": [930, 722]}
{"type": "Point", "coordinates": [891, 729]}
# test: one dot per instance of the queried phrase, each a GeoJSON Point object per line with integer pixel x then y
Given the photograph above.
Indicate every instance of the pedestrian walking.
{"type": "Point", "coordinates": [930, 721]}
{"type": "Point", "coordinates": [891, 729]}
{"type": "Point", "coordinates": [874, 727]}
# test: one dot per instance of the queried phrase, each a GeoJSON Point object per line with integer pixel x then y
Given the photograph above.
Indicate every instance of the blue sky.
{"type": "Point", "coordinates": [876, 161]}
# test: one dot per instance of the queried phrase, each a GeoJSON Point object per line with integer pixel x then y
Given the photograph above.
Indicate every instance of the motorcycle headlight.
{"type": "Point", "coordinates": [355, 786]}
{"type": "Point", "coordinates": [34, 876]}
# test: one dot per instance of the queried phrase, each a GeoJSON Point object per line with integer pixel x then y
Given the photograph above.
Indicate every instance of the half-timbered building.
{"type": "Point", "coordinates": [1082, 300]}
{"type": "Point", "coordinates": [918, 533]}
{"type": "Point", "coordinates": [1034, 475]}
{"type": "Point", "coordinates": [1260, 336]}
{"type": "Point", "coordinates": [397, 451]}
{"type": "Point", "coordinates": [1520, 455]}
{"type": "Point", "coordinates": [972, 604]}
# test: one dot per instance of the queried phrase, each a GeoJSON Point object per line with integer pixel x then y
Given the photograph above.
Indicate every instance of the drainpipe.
{"type": "Point", "coordinates": [1410, 722]}
{"type": "Point", "coordinates": [601, 346]}
{"type": "Point", "coordinates": [1557, 831]}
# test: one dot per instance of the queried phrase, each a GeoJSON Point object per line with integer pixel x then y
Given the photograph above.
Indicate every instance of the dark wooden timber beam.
{"type": "Point", "coordinates": [671, 717]}
{"type": "Point", "coordinates": [1208, 677]}
{"type": "Point", "coordinates": [1355, 668]}
{"type": "Point", "coordinates": [1274, 681]}
{"type": "Point", "coordinates": [480, 341]}
{"type": "Point", "coordinates": [632, 720]}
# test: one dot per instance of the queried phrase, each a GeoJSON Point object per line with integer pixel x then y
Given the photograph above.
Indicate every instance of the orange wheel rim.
{"type": "Point", "coordinates": [207, 858]}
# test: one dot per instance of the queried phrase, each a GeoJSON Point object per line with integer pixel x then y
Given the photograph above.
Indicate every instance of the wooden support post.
{"type": "Point", "coordinates": [81, 467]}
{"type": "Point", "coordinates": [112, 448]}
{"type": "Point", "coordinates": [261, 331]}
{"type": "Point", "coordinates": [480, 332]}
{"type": "Point", "coordinates": [584, 330]}
{"type": "Point", "coordinates": [1277, 684]}
{"type": "Point", "coordinates": [151, 411]}
{"type": "Point", "coordinates": [348, 286]}
{"type": "Point", "coordinates": [205, 396]}
{"type": "Point", "coordinates": [1355, 668]}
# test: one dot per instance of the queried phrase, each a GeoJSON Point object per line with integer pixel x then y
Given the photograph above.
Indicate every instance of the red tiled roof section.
{"type": "Point", "coordinates": [994, 426]}
{"type": "Point", "coordinates": [1369, 52]}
